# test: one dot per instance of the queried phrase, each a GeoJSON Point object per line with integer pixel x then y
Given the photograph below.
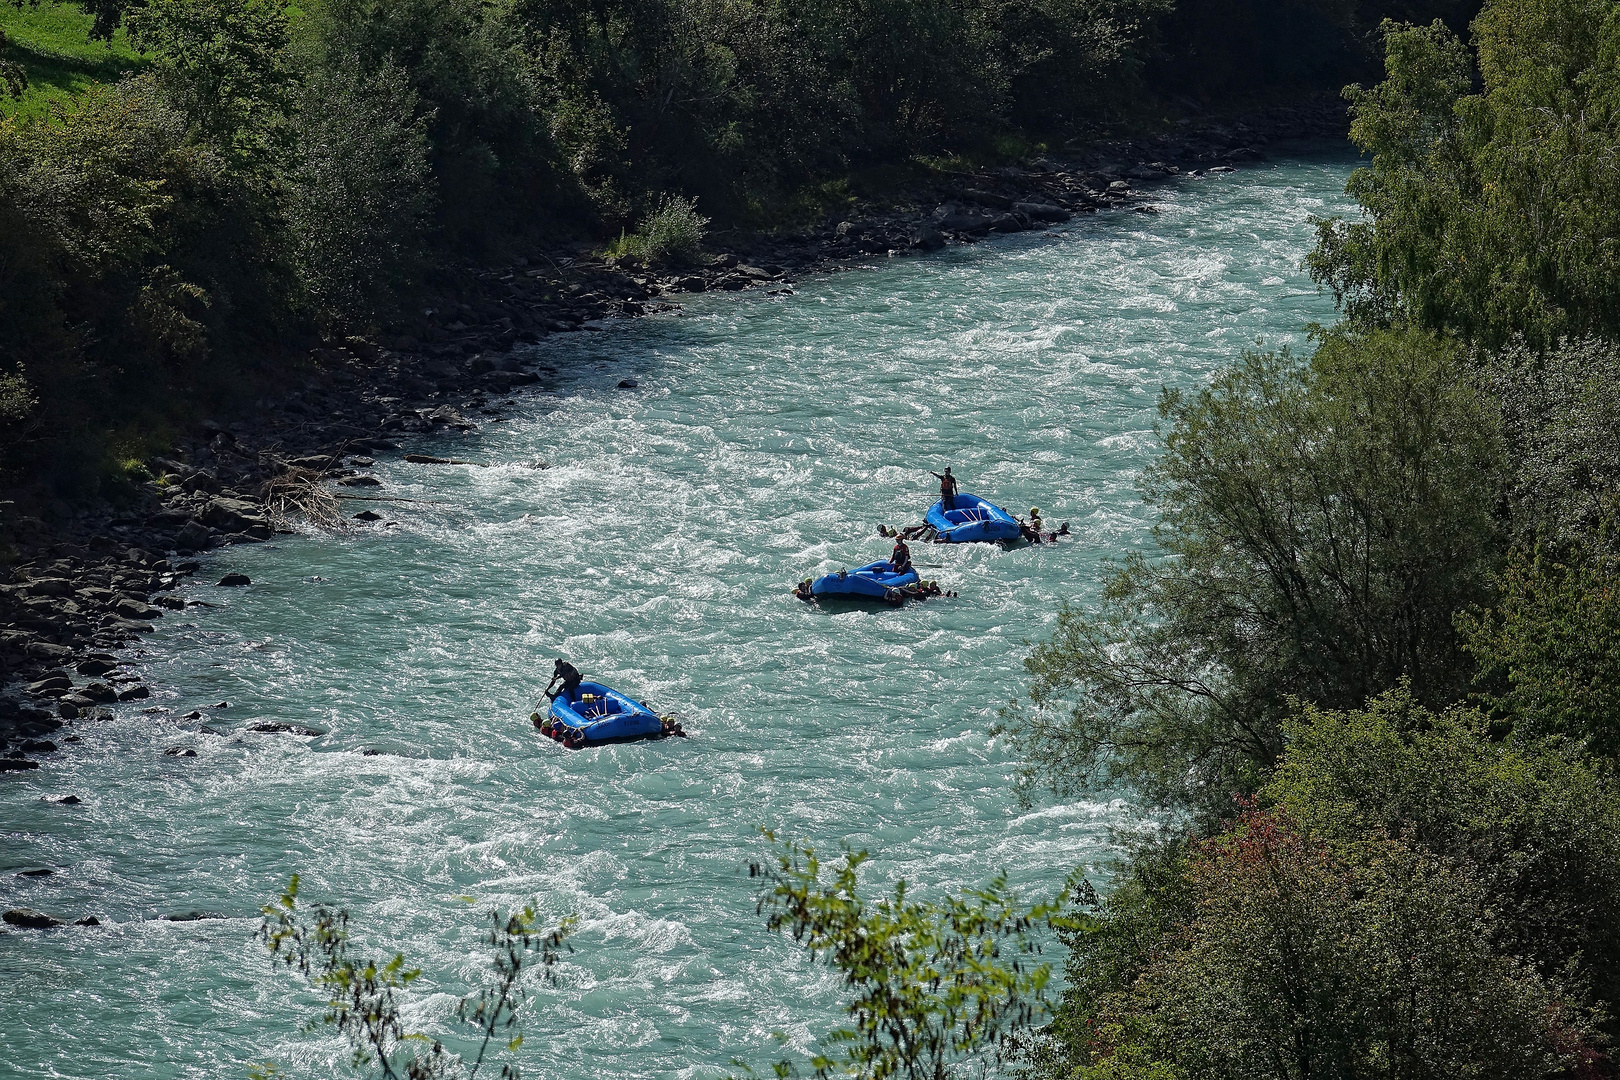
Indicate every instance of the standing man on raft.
{"type": "Point", "coordinates": [569, 674]}
{"type": "Point", "coordinates": [947, 489]}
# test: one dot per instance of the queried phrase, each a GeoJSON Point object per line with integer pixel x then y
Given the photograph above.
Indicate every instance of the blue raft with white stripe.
{"type": "Point", "coordinates": [876, 581]}
{"type": "Point", "coordinates": [600, 714]}
{"type": "Point", "coordinates": [971, 520]}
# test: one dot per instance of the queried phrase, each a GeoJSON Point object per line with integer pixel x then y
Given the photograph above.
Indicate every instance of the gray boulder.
{"type": "Point", "coordinates": [44, 650]}
{"type": "Point", "coordinates": [966, 221]}
{"type": "Point", "coordinates": [232, 515]}
{"type": "Point", "coordinates": [987, 198]}
{"type": "Point", "coordinates": [1041, 211]}
{"type": "Point", "coordinates": [195, 536]}
{"type": "Point", "coordinates": [48, 587]}
{"type": "Point", "coordinates": [29, 919]}
{"type": "Point", "coordinates": [134, 609]}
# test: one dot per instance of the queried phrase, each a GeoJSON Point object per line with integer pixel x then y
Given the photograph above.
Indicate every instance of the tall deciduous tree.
{"type": "Point", "coordinates": [1319, 523]}
{"type": "Point", "coordinates": [1489, 213]}
{"type": "Point", "coordinates": [223, 64]}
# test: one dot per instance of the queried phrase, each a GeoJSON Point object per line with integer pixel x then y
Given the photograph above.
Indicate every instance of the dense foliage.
{"type": "Point", "coordinates": [1382, 618]}
{"type": "Point", "coordinates": [1415, 899]}
{"type": "Point", "coordinates": [1490, 207]}
{"type": "Point", "coordinates": [229, 179]}
{"type": "Point", "coordinates": [1320, 522]}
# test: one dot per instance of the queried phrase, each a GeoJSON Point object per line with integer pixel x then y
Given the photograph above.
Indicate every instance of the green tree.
{"type": "Point", "coordinates": [1560, 409]}
{"type": "Point", "coordinates": [1536, 825]}
{"type": "Point", "coordinates": [470, 65]}
{"type": "Point", "coordinates": [1302, 962]}
{"type": "Point", "coordinates": [1488, 214]}
{"type": "Point", "coordinates": [934, 982]}
{"type": "Point", "coordinates": [1319, 524]}
{"type": "Point", "coordinates": [1552, 643]}
{"type": "Point", "coordinates": [359, 191]}
{"type": "Point", "coordinates": [223, 65]}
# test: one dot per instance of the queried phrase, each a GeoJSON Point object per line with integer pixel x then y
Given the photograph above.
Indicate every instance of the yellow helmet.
{"type": "Point", "coordinates": [1034, 511]}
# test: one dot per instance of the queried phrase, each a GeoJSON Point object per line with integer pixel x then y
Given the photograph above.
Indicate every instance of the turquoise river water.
{"type": "Point", "coordinates": [766, 440]}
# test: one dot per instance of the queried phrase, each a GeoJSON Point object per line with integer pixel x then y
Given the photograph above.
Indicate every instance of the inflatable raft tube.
{"type": "Point", "coordinates": [600, 714]}
{"type": "Point", "coordinates": [875, 581]}
{"type": "Point", "coordinates": [971, 520]}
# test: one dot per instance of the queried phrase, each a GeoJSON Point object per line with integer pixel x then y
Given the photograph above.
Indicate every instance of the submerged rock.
{"type": "Point", "coordinates": [29, 919]}
{"type": "Point", "coordinates": [233, 580]}
{"type": "Point", "coordinates": [275, 727]}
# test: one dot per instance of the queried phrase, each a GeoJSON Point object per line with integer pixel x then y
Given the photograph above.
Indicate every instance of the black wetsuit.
{"type": "Point", "coordinates": [570, 681]}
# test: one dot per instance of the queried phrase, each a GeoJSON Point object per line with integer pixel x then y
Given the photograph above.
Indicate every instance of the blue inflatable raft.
{"type": "Point", "coordinates": [971, 519]}
{"type": "Point", "coordinates": [875, 580]}
{"type": "Point", "coordinates": [600, 714]}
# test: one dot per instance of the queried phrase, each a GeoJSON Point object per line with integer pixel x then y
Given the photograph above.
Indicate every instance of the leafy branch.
{"type": "Point", "coordinates": [363, 995]}
{"type": "Point", "coordinates": [935, 982]}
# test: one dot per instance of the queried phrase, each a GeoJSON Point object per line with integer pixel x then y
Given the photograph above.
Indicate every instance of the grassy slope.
{"type": "Point", "coordinates": [52, 44]}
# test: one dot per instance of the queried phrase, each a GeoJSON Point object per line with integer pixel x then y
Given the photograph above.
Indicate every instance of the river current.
{"type": "Point", "coordinates": [764, 441]}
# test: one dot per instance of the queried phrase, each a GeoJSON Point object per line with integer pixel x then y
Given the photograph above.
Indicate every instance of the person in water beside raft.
{"type": "Point", "coordinates": [947, 489]}
{"type": "Point", "coordinates": [1032, 531]}
{"type": "Point", "coordinates": [569, 674]}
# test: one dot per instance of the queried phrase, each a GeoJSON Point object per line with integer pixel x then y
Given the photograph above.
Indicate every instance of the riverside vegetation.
{"type": "Point", "coordinates": [264, 176]}
{"type": "Point", "coordinates": [1363, 696]}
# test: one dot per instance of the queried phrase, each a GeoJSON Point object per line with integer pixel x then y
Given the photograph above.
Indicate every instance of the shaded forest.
{"type": "Point", "coordinates": [192, 192]}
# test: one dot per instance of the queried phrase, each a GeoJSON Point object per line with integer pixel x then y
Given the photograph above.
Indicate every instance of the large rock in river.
{"type": "Point", "coordinates": [1037, 211]}
{"type": "Point", "coordinates": [232, 515]}
{"type": "Point", "coordinates": [30, 919]}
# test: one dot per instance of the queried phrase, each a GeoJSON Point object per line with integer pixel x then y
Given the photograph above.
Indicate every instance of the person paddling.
{"type": "Point", "coordinates": [569, 675]}
{"type": "Point", "coordinates": [947, 489]}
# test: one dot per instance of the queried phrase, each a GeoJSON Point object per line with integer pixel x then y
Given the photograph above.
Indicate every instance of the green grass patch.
{"type": "Point", "coordinates": [52, 44]}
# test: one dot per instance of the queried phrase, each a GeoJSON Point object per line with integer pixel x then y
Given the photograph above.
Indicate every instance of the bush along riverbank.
{"type": "Point", "coordinates": [88, 580]}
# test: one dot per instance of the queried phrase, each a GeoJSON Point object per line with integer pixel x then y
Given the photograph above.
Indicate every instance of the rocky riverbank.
{"type": "Point", "coordinates": [92, 581]}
